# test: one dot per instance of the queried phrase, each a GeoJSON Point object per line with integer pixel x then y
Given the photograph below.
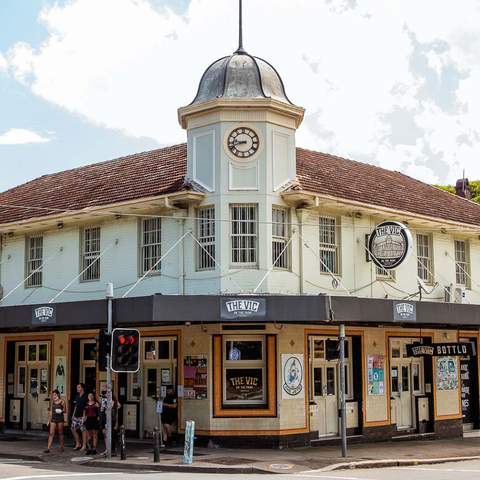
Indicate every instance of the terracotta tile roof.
{"type": "Point", "coordinates": [135, 176]}
{"type": "Point", "coordinates": [163, 171]}
{"type": "Point", "coordinates": [327, 174]}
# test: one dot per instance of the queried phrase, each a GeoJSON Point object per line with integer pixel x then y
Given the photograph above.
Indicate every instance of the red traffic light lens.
{"type": "Point", "coordinates": [132, 340]}
{"type": "Point", "coordinates": [122, 339]}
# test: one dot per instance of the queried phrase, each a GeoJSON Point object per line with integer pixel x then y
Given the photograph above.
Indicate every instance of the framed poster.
{"type": "Point", "coordinates": [195, 377]}
{"type": "Point", "coordinates": [293, 383]}
{"type": "Point", "coordinates": [60, 375]}
{"type": "Point", "coordinates": [376, 375]}
{"type": "Point", "coordinates": [244, 384]}
{"type": "Point", "coordinates": [447, 373]}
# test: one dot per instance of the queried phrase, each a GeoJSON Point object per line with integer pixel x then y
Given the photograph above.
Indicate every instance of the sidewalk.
{"type": "Point", "coordinates": [140, 456]}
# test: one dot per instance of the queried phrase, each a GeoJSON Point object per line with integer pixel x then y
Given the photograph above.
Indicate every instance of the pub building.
{"type": "Point", "coordinates": [237, 255]}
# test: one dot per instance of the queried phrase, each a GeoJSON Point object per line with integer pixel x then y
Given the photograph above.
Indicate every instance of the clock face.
{"type": "Point", "coordinates": [243, 142]}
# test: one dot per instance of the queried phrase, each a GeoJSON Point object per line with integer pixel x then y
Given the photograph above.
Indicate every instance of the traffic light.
{"type": "Point", "coordinates": [104, 347]}
{"type": "Point", "coordinates": [125, 350]}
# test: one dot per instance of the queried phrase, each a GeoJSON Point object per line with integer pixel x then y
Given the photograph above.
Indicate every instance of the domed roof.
{"type": "Point", "coordinates": [240, 76]}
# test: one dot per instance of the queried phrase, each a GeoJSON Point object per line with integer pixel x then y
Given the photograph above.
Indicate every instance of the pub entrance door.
{"type": "Point", "coordinates": [469, 385]}
{"type": "Point", "coordinates": [32, 384]}
{"type": "Point", "coordinates": [406, 382]}
{"type": "Point", "coordinates": [324, 383]}
{"type": "Point", "coordinates": [159, 371]}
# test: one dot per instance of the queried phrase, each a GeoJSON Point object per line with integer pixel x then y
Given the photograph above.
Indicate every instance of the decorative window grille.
{"type": "Point", "coordinates": [424, 258]}
{"type": "Point", "coordinates": [329, 246]}
{"type": "Point", "coordinates": [462, 263]}
{"type": "Point", "coordinates": [244, 234]}
{"type": "Point", "coordinates": [150, 245]}
{"type": "Point", "coordinates": [387, 275]}
{"type": "Point", "coordinates": [34, 261]}
{"type": "Point", "coordinates": [206, 238]}
{"type": "Point", "coordinates": [280, 237]}
{"type": "Point", "coordinates": [90, 252]}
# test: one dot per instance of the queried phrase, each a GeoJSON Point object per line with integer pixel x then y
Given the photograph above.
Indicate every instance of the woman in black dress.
{"type": "Point", "coordinates": [92, 423]}
{"type": "Point", "coordinates": [56, 420]}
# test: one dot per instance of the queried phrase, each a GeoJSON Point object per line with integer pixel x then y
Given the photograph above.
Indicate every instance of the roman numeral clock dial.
{"type": "Point", "coordinates": [243, 142]}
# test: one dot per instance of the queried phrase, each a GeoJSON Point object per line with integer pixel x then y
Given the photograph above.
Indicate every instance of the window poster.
{"type": "Point", "coordinates": [447, 373]}
{"type": "Point", "coordinates": [244, 384]}
{"type": "Point", "coordinates": [195, 377]}
{"type": "Point", "coordinates": [60, 376]}
{"type": "Point", "coordinates": [376, 375]}
{"type": "Point", "coordinates": [293, 384]}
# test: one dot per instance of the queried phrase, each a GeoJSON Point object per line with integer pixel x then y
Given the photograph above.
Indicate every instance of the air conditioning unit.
{"type": "Point", "coordinates": [460, 295]}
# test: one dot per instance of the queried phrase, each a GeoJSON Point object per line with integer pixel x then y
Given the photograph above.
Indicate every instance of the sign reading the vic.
{"type": "Point", "coordinates": [235, 308]}
{"type": "Point", "coordinates": [390, 244]}
{"type": "Point", "coordinates": [45, 315]}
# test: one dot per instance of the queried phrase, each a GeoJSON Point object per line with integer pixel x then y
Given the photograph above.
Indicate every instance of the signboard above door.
{"type": "Point", "coordinates": [243, 308]}
{"type": "Point", "coordinates": [441, 350]}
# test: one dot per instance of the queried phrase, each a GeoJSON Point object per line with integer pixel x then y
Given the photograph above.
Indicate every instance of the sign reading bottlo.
{"type": "Point", "coordinates": [390, 244]}
{"type": "Point", "coordinates": [441, 350]}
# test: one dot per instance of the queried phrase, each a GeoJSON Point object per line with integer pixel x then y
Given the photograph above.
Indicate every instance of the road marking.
{"type": "Point", "coordinates": [439, 469]}
{"type": "Point", "coordinates": [59, 475]}
{"type": "Point", "coordinates": [326, 475]}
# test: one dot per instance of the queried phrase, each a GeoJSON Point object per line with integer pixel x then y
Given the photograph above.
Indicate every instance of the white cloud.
{"type": "Point", "coordinates": [3, 62]}
{"type": "Point", "coordinates": [128, 65]}
{"type": "Point", "coordinates": [19, 136]}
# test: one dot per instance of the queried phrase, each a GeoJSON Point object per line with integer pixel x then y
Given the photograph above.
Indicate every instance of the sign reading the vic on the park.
{"type": "Point", "coordinates": [246, 308]}
{"type": "Point", "coordinates": [44, 315]}
{"type": "Point", "coordinates": [390, 244]}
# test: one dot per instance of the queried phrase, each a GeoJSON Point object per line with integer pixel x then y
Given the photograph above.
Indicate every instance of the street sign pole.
{"type": "Point", "coordinates": [343, 410]}
{"type": "Point", "coordinates": [108, 440]}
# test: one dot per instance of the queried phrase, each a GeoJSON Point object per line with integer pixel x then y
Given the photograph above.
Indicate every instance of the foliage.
{"type": "Point", "coordinates": [474, 187]}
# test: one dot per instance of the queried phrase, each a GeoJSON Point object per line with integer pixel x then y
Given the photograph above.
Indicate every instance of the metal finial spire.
{"type": "Point", "coordinates": [240, 28]}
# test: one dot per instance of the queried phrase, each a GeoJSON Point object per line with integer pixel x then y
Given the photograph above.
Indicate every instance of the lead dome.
{"type": "Point", "coordinates": [240, 76]}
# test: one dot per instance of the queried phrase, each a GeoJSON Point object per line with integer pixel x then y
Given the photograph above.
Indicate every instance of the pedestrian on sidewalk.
{"type": "Point", "coordinates": [169, 413]}
{"type": "Point", "coordinates": [115, 406]}
{"type": "Point", "coordinates": [78, 421]}
{"type": "Point", "coordinates": [56, 420]}
{"type": "Point", "coordinates": [92, 423]}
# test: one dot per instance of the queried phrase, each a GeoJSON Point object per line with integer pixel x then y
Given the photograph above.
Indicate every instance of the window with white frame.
{"type": "Point", "coordinates": [385, 275]}
{"type": "Point", "coordinates": [206, 238]}
{"type": "Point", "coordinates": [34, 250]}
{"type": "Point", "coordinates": [244, 234]}
{"type": "Point", "coordinates": [329, 245]}
{"type": "Point", "coordinates": [424, 258]}
{"type": "Point", "coordinates": [150, 245]}
{"type": "Point", "coordinates": [244, 370]}
{"type": "Point", "coordinates": [280, 238]}
{"type": "Point", "coordinates": [462, 263]}
{"type": "Point", "coordinates": [90, 262]}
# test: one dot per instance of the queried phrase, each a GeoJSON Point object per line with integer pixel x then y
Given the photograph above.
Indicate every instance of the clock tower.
{"type": "Point", "coordinates": [241, 139]}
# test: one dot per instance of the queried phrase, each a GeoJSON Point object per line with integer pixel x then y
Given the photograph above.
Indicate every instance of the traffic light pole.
{"type": "Point", "coordinates": [108, 439]}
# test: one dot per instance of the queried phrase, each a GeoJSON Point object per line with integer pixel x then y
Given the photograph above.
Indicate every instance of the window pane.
{"type": "Point", "coordinates": [244, 350]}
{"type": "Point", "coordinates": [244, 385]}
{"type": "Point", "coordinates": [91, 253]}
{"type": "Point", "coordinates": [416, 377]}
{"type": "Point", "coordinates": [319, 349]}
{"type": "Point", "coordinates": [150, 350]}
{"type": "Point", "coordinates": [164, 349]}
{"type": "Point", "coordinates": [151, 245]}
{"type": "Point", "coordinates": [206, 238]}
{"type": "Point", "coordinates": [34, 261]}
{"type": "Point", "coordinates": [21, 353]}
{"type": "Point", "coordinates": [328, 245]}
{"type": "Point", "coordinates": [394, 372]}
{"type": "Point", "coordinates": [405, 379]}
{"type": "Point", "coordinates": [280, 234]}
{"type": "Point", "coordinates": [32, 353]}
{"type": "Point", "coordinates": [152, 382]}
{"type": "Point", "coordinates": [330, 380]}
{"type": "Point", "coordinates": [244, 233]}
{"type": "Point", "coordinates": [43, 352]}
{"type": "Point", "coordinates": [317, 382]}
{"type": "Point", "coordinates": [89, 351]}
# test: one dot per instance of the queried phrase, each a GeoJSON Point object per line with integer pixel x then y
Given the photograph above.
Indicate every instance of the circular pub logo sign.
{"type": "Point", "coordinates": [390, 244]}
{"type": "Point", "coordinates": [292, 374]}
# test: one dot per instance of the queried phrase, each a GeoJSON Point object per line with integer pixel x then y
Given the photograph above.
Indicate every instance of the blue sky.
{"type": "Point", "coordinates": [83, 81]}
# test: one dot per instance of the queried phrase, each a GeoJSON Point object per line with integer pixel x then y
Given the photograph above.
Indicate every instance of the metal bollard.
{"type": "Point", "coordinates": [156, 445]}
{"type": "Point", "coordinates": [123, 443]}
